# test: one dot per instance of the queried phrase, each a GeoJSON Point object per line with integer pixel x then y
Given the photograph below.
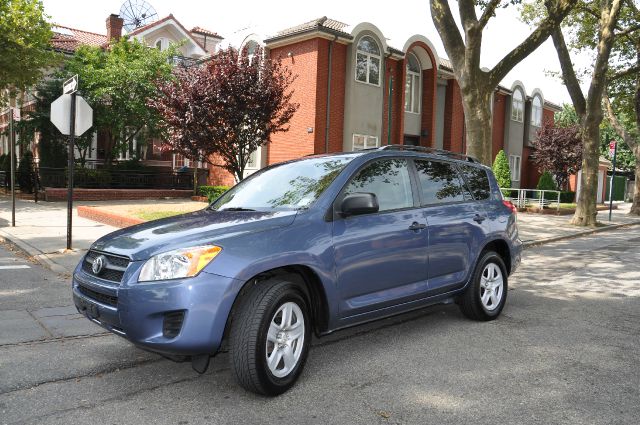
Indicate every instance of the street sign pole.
{"type": "Point", "coordinates": [72, 130]}
{"type": "Point", "coordinates": [613, 176]}
{"type": "Point", "coordinates": [12, 152]}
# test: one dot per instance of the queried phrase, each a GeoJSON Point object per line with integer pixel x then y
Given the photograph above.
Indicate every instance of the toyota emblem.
{"type": "Point", "coordinates": [98, 264]}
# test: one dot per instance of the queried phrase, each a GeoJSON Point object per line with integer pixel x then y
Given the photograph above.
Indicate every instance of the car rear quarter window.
{"type": "Point", "coordinates": [477, 182]}
{"type": "Point", "coordinates": [389, 180]}
{"type": "Point", "coordinates": [439, 182]}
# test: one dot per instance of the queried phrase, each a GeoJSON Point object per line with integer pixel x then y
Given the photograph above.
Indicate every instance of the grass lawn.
{"type": "Point", "coordinates": [148, 214]}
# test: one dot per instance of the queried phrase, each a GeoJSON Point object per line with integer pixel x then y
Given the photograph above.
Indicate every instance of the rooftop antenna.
{"type": "Point", "coordinates": [136, 14]}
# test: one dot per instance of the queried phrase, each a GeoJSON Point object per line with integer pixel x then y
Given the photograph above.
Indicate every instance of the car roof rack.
{"type": "Point", "coordinates": [434, 151]}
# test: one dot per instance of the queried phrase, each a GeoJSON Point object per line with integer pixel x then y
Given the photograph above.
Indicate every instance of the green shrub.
{"type": "Point", "coordinates": [567, 197]}
{"type": "Point", "coordinates": [546, 182]}
{"type": "Point", "coordinates": [501, 170]}
{"type": "Point", "coordinates": [90, 178]}
{"type": "Point", "coordinates": [26, 173]}
{"type": "Point", "coordinates": [212, 192]}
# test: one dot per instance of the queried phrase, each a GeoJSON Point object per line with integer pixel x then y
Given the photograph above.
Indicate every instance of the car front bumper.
{"type": "Point", "coordinates": [138, 311]}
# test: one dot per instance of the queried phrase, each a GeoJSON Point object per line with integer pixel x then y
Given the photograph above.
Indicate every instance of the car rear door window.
{"type": "Point", "coordinates": [477, 182]}
{"type": "Point", "coordinates": [389, 180]}
{"type": "Point", "coordinates": [439, 182]}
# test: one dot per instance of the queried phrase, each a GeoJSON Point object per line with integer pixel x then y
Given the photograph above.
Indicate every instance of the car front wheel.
{"type": "Point", "coordinates": [270, 337]}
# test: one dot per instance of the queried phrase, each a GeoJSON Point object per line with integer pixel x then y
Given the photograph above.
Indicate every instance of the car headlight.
{"type": "Point", "coordinates": [183, 262]}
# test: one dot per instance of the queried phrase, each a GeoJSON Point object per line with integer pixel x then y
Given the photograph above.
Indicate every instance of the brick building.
{"type": "Point", "coordinates": [356, 91]}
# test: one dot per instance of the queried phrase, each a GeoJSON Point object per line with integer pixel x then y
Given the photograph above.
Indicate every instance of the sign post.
{"type": "Point", "coordinates": [12, 152]}
{"type": "Point", "coordinates": [613, 151]}
{"type": "Point", "coordinates": [72, 115]}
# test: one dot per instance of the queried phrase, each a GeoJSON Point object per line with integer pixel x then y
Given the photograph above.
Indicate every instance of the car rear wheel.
{"type": "Point", "coordinates": [270, 337]}
{"type": "Point", "coordinates": [486, 295]}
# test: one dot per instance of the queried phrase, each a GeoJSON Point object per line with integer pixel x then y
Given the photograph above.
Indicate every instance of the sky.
{"type": "Point", "coordinates": [397, 20]}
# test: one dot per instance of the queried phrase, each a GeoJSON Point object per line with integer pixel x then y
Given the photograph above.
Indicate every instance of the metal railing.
{"type": "Point", "coordinates": [101, 178]}
{"type": "Point", "coordinates": [523, 198]}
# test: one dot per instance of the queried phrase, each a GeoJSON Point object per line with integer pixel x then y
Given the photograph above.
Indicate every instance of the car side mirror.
{"type": "Point", "coordinates": [359, 203]}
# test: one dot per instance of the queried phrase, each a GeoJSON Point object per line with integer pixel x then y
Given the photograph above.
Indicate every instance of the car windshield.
{"type": "Point", "coordinates": [290, 186]}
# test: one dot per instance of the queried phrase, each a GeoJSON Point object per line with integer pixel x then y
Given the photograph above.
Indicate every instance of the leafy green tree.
{"type": "Point", "coordinates": [24, 45]}
{"type": "Point", "coordinates": [591, 27]}
{"type": "Point", "coordinates": [26, 173]}
{"type": "Point", "coordinates": [546, 182]}
{"type": "Point", "coordinates": [501, 170]}
{"type": "Point", "coordinates": [52, 144]}
{"type": "Point", "coordinates": [118, 82]}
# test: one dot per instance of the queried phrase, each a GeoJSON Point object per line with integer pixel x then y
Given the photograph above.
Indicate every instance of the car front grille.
{"type": "Point", "coordinates": [114, 267]}
{"type": "Point", "coordinates": [98, 296]}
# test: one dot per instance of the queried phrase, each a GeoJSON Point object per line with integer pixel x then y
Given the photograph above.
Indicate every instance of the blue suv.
{"type": "Point", "coordinates": [312, 245]}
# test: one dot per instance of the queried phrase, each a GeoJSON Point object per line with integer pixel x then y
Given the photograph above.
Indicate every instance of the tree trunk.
{"type": "Point", "coordinates": [635, 206]}
{"type": "Point", "coordinates": [585, 214]}
{"type": "Point", "coordinates": [478, 123]}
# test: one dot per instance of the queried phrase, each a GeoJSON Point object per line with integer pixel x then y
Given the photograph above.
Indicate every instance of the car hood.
{"type": "Point", "coordinates": [197, 228]}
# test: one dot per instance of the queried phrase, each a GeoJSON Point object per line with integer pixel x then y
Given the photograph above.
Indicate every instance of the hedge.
{"type": "Point", "coordinates": [212, 192]}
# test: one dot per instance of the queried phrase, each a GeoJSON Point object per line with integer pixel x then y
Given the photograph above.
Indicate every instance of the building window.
{"type": "Point", "coordinates": [368, 61]}
{"type": "Point", "coordinates": [536, 111]}
{"type": "Point", "coordinates": [517, 106]}
{"type": "Point", "coordinates": [412, 88]}
{"type": "Point", "coordinates": [361, 141]}
{"type": "Point", "coordinates": [162, 44]}
{"type": "Point", "coordinates": [252, 48]}
{"type": "Point", "coordinates": [514, 166]}
{"type": "Point", "coordinates": [254, 160]}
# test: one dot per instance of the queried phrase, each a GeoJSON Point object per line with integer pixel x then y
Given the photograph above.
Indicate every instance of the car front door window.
{"type": "Point", "coordinates": [389, 180]}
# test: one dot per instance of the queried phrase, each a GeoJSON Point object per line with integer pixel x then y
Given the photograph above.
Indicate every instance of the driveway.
{"type": "Point", "coordinates": [565, 350]}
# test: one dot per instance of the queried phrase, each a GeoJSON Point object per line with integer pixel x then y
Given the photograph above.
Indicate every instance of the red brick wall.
{"type": "Point", "coordinates": [298, 142]}
{"type": "Point", "coordinates": [453, 118]}
{"type": "Point", "coordinates": [393, 68]}
{"type": "Point", "coordinates": [337, 101]}
{"type": "Point", "coordinates": [548, 116]}
{"type": "Point", "coordinates": [497, 136]}
{"type": "Point", "coordinates": [429, 82]}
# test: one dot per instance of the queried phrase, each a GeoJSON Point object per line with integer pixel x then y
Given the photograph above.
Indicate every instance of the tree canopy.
{"type": "Point", "coordinates": [559, 151]}
{"type": "Point", "coordinates": [464, 45]}
{"type": "Point", "coordinates": [24, 43]}
{"type": "Point", "coordinates": [118, 82]}
{"type": "Point", "coordinates": [222, 111]}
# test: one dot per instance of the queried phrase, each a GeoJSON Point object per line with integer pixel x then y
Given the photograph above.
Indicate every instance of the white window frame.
{"type": "Point", "coordinates": [369, 56]}
{"type": "Point", "coordinates": [415, 105]}
{"type": "Point", "coordinates": [368, 142]}
{"type": "Point", "coordinates": [257, 156]}
{"type": "Point", "coordinates": [517, 106]}
{"type": "Point", "coordinates": [126, 156]}
{"type": "Point", "coordinates": [536, 112]}
{"type": "Point", "coordinates": [515, 165]}
{"type": "Point", "coordinates": [164, 43]}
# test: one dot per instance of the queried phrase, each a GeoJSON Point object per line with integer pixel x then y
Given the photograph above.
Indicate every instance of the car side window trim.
{"type": "Point", "coordinates": [334, 211]}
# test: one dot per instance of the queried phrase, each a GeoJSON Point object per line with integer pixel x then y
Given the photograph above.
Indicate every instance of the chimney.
{"type": "Point", "coordinates": [114, 27]}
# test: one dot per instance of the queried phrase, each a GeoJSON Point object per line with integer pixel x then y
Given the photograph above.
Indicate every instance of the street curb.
{"type": "Point", "coordinates": [532, 244]}
{"type": "Point", "coordinates": [33, 252]}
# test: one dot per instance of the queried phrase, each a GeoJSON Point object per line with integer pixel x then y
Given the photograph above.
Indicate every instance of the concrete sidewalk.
{"type": "Point", "coordinates": [41, 229]}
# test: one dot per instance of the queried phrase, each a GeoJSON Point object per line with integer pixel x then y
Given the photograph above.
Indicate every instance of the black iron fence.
{"type": "Point", "coordinates": [119, 179]}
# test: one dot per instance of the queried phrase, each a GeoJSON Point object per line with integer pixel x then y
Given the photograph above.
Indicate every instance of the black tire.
{"type": "Point", "coordinates": [248, 336]}
{"type": "Point", "coordinates": [470, 302]}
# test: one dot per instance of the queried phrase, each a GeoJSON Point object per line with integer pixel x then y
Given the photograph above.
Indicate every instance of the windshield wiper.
{"type": "Point", "coordinates": [236, 209]}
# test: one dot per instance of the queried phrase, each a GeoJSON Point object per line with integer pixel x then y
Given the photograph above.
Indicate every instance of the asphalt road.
{"type": "Point", "coordinates": [565, 350]}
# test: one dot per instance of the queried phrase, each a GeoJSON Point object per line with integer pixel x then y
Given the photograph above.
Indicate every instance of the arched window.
{"type": "Point", "coordinates": [251, 47]}
{"type": "Point", "coordinates": [517, 106]}
{"type": "Point", "coordinates": [536, 111]}
{"type": "Point", "coordinates": [368, 61]}
{"type": "Point", "coordinates": [162, 44]}
{"type": "Point", "coordinates": [412, 88]}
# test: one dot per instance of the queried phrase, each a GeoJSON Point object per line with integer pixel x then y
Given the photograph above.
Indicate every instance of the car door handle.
{"type": "Point", "coordinates": [479, 218]}
{"type": "Point", "coordinates": [417, 226]}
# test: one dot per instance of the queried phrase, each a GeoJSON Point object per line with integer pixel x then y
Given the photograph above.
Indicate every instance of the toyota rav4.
{"type": "Point", "coordinates": [311, 245]}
